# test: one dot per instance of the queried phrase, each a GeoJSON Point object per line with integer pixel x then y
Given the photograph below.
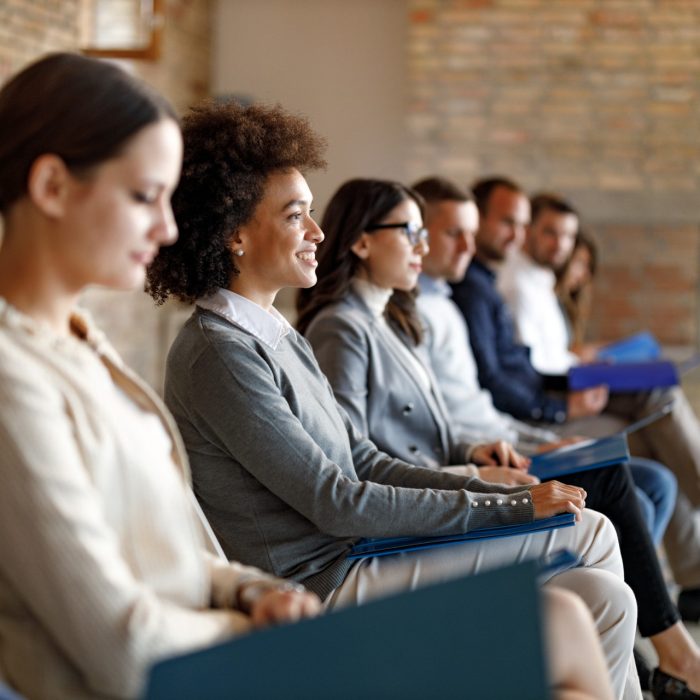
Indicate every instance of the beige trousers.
{"type": "Point", "coordinates": [599, 582]}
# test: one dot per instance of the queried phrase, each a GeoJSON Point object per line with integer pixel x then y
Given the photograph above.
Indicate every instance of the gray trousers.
{"type": "Point", "coordinates": [674, 440]}
{"type": "Point", "coordinates": [599, 583]}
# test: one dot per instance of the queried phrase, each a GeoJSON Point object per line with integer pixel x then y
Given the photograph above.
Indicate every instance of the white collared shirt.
{"type": "Point", "coordinates": [528, 289]}
{"type": "Point", "coordinates": [268, 326]}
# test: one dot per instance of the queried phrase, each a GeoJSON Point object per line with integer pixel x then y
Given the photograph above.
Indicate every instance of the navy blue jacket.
{"type": "Point", "coordinates": [503, 364]}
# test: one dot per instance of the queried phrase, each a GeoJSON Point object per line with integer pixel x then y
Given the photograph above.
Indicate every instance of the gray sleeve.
{"type": "Point", "coordinates": [234, 400]}
{"type": "Point", "coordinates": [342, 352]}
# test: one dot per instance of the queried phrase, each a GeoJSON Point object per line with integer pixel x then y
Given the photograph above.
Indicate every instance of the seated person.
{"type": "Point", "coordinates": [363, 326]}
{"type": "Point", "coordinates": [283, 477]}
{"type": "Point", "coordinates": [103, 562]}
{"type": "Point", "coordinates": [505, 369]}
{"type": "Point", "coordinates": [452, 220]}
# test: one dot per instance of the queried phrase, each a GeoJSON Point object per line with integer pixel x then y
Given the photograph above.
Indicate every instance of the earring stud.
{"type": "Point", "coordinates": [238, 253]}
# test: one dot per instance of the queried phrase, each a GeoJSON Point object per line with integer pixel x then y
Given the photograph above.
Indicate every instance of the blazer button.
{"type": "Point", "coordinates": [408, 408]}
{"type": "Point", "coordinates": [413, 448]}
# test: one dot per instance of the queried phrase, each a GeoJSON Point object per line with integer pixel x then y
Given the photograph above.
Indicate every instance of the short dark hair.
{"type": "Point", "coordinates": [356, 206]}
{"type": "Point", "coordinates": [229, 153]}
{"type": "Point", "coordinates": [439, 189]}
{"type": "Point", "coordinates": [483, 188]}
{"type": "Point", "coordinates": [81, 109]}
{"type": "Point", "coordinates": [548, 201]}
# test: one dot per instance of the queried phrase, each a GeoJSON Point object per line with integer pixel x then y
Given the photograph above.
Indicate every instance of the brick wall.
{"type": "Point", "coordinates": [598, 99]}
{"type": "Point", "coordinates": [30, 28]}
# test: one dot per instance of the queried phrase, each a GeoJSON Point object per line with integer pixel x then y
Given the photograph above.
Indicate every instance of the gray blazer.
{"type": "Point", "coordinates": [377, 386]}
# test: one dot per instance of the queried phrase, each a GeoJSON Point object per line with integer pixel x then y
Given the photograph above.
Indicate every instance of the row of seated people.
{"type": "Point", "coordinates": [104, 565]}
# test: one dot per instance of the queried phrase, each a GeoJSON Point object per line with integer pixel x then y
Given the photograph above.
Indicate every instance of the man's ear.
{"type": "Point", "coordinates": [48, 184]}
{"type": "Point", "coordinates": [361, 247]}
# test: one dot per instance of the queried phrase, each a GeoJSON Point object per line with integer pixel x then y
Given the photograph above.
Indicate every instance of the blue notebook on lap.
{"type": "Point", "coordinates": [640, 347]}
{"type": "Point", "coordinates": [590, 454]}
{"type": "Point", "coordinates": [411, 646]}
{"type": "Point", "coordinates": [382, 546]}
{"type": "Point", "coordinates": [624, 377]}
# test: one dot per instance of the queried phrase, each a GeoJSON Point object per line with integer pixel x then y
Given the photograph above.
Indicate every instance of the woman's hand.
{"type": "Point", "coordinates": [499, 453]}
{"type": "Point", "coordinates": [506, 476]}
{"type": "Point", "coordinates": [278, 605]}
{"type": "Point", "coordinates": [553, 497]}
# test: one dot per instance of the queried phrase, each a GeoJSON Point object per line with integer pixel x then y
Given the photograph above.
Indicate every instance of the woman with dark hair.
{"type": "Point", "coordinates": [103, 561]}
{"type": "Point", "coordinates": [284, 479]}
{"type": "Point", "coordinates": [574, 289]}
{"type": "Point", "coordinates": [381, 376]}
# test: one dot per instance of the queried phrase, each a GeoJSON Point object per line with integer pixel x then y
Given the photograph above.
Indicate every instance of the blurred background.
{"type": "Point", "coordinates": [596, 99]}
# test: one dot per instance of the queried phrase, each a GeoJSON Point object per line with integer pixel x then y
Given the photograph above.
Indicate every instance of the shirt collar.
{"type": "Point", "coordinates": [268, 326]}
{"type": "Point", "coordinates": [539, 274]}
{"type": "Point", "coordinates": [433, 285]}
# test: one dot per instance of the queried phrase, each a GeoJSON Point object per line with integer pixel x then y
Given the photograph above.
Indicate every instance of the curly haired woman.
{"type": "Point", "coordinates": [283, 477]}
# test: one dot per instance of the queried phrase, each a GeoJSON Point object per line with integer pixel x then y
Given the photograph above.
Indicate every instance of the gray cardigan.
{"type": "Point", "coordinates": [378, 388]}
{"type": "Point", "coordinates": [283, 477]}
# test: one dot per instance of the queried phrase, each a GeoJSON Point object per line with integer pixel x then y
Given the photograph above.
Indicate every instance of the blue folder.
{"type": "Point", "coordinates": [624, 377]}
{"type": "Point", "coordinates": [437, 642]}
{"type": "Point", "coordinates": [382, 546]}
{"type": "Point", "coordinates": [641, 347]}
{"type": "Point", "coordinates": [590, 454]}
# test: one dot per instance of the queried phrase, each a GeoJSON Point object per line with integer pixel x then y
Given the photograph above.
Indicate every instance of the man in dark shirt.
{"type": "Point", "coordinates": [504, 364]}
{"type": "Point", "coordinates": [504, 368]}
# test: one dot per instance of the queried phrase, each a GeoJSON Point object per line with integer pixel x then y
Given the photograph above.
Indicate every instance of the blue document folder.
{"type": "Point", "coordinates": [641, 347]}
{"type": "Point", "coordinates": [382, 546]}
{"type": "Point", "coordinates": [436, 642]}
{"type": "Point", "coordinates": [589, 454]}
{"type": "Point", "coordinates": [624, 377]}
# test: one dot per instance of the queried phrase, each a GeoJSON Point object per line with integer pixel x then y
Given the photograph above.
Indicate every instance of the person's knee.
{"type": "Point", "coordinates": [563, 605]}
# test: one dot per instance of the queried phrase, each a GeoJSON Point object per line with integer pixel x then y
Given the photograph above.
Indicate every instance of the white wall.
{"type": "Point", "coordinates": [340, 62]}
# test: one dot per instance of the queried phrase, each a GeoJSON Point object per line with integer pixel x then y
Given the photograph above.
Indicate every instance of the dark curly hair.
{"type": "Point", "coordinates": [355, 206]}
{"type": "Point", "coordinates": [229, 152]}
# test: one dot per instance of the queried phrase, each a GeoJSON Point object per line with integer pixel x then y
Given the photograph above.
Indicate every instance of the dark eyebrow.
{"type": "Point", "coordinates": [296, 203]}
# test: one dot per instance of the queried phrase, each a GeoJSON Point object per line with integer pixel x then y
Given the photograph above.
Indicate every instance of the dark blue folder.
{"type": "Point", "coordinates": [590, 454]}
{"type": "Point", "coordinates": [624, 377]}
{"type": "Point", "coordinates": [382, 546]}
{"type": "Point", "coordinates": [437, 642]}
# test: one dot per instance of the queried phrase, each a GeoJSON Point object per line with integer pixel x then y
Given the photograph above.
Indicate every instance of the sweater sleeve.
{"type": "Point", "coordinates": [62, 557]}
{"type": "Point", "coordinates": [235, 401]}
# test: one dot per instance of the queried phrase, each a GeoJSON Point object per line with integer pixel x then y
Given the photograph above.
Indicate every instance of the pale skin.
{"type": "Point", "coordinates": [104, 228]}
{"type": "Point", "coordinates": [677, 652]}
{"type": "Point", "coordinates": [503, 227]}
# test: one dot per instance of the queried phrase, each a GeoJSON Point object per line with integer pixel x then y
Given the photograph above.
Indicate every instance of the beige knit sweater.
{"type": "Point", "coordinates": [103, 567]}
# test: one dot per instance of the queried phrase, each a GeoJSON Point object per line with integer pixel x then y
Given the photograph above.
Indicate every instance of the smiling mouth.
{"type": "Point", "coordinates": [307, 257]}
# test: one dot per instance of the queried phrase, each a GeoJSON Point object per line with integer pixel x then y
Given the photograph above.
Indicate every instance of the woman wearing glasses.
{"type": "Point", "coordinates": [355, 317]}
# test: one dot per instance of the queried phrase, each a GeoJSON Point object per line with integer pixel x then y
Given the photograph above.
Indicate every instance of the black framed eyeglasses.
{"type": "Point", "coordinates": [416, 234]}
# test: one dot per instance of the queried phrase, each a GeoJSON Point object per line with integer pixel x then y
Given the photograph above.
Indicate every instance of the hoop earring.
{"type": "Point", "coordinates": [238, 253]}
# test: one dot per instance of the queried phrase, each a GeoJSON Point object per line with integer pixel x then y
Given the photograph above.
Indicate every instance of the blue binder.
{"type": "Point", "coordinates": [624, 377]}
{"type": "Point", "coordinates": [590, 454]}
{"type": "Point", "coordinates": [641, 347]}
{"type": "Point", "coordinates": [437, 642]}
{"type": "Point", "coordinates": [382, 546]}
